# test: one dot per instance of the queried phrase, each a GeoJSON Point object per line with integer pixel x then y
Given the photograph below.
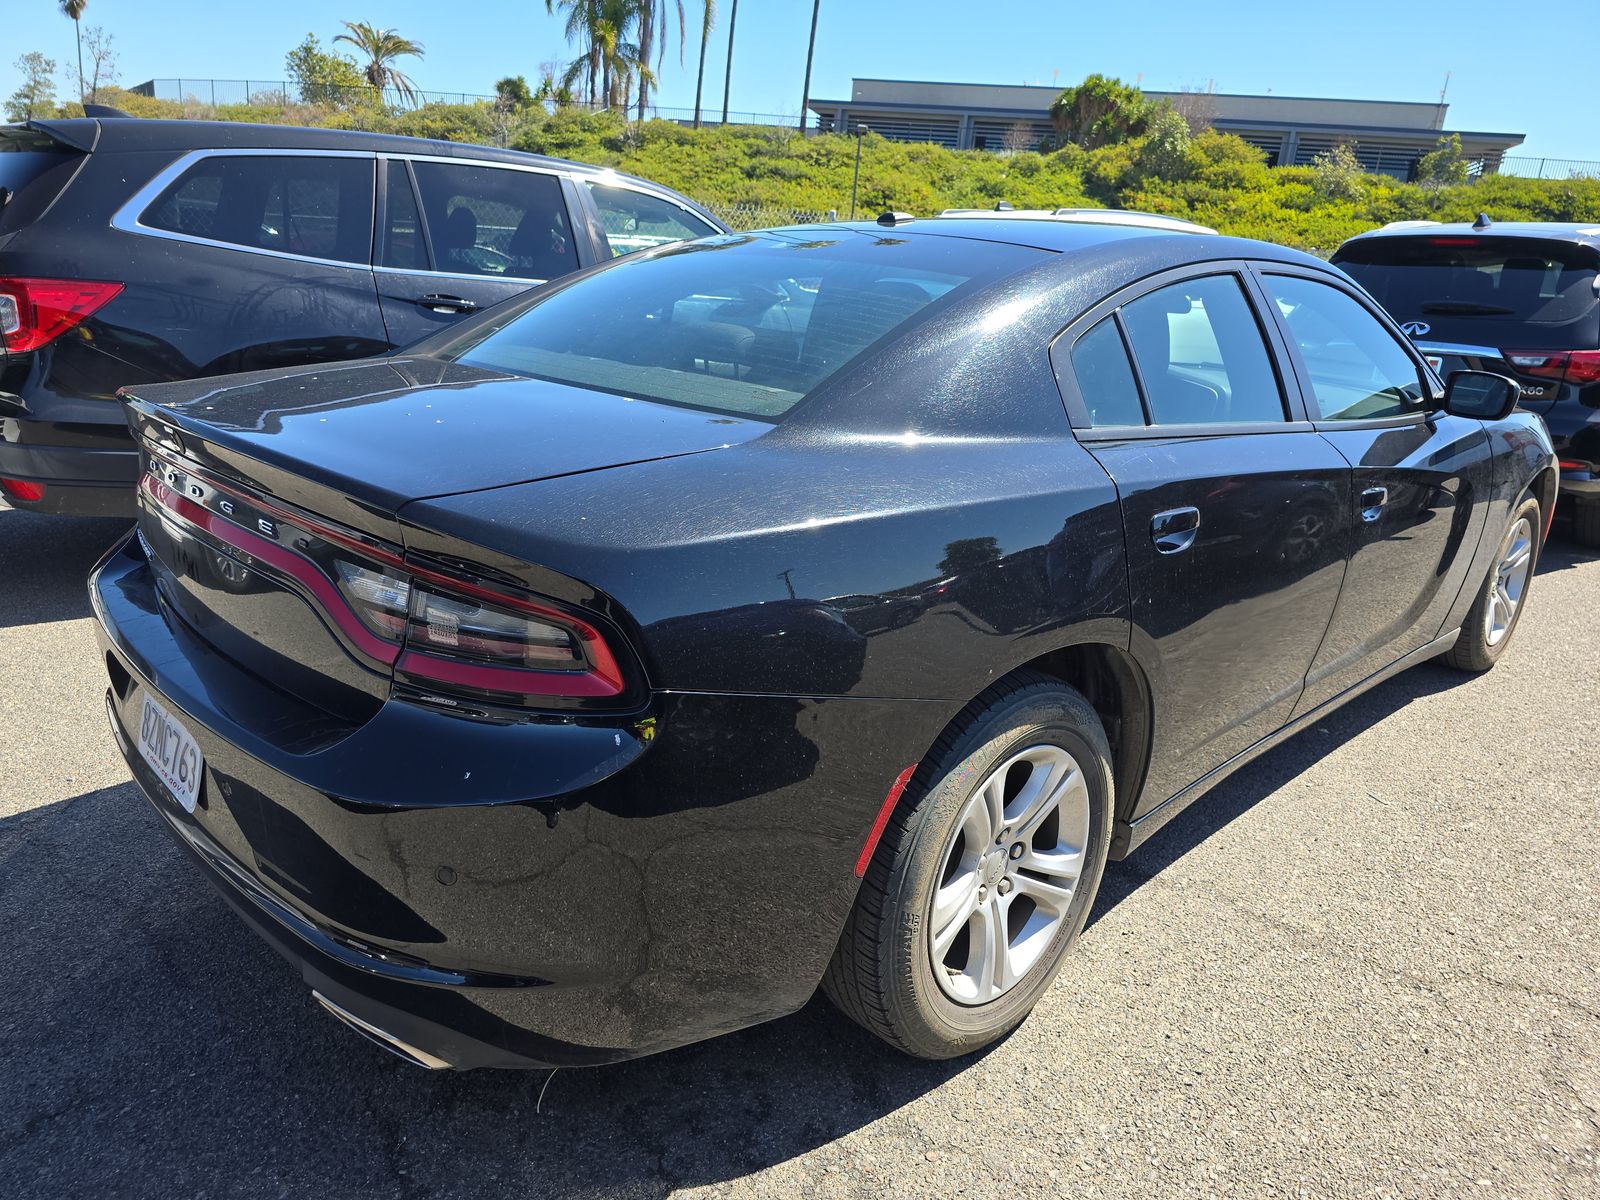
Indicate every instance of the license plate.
{"type": "Point", "coordinates": [171, 753]}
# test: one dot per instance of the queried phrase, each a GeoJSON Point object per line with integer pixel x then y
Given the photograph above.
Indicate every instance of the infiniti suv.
{"type": "Point", "coordinates": [1516, 298]}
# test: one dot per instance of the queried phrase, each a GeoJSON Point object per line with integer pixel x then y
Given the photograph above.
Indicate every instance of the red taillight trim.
{"type": "Point", "coordinates": [875, 834]}
{"type": "Point", "coordinates": [22, 489]}
{"type": "Point", "coordinates": [1577, 367]}
{"type": "Point", "coordinates": [303, 572]}
{"type": "Point", "coordinates": [600, 655]}
{"type": "Point", "coordinates": [1571, 464]}
{"type": "Point", "coordinates": [48, 308]}
{"type": "Point", "coordinates": [603, 678]}
{"type": "Point", "coordinates": [519, 681]}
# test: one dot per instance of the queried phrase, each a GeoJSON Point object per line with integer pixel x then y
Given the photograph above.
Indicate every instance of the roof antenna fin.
{"type": "Point", "coordinates": [1482, 222]}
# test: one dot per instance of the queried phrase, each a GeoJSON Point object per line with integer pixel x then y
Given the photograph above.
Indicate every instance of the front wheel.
{"type": "Point", "coordinates": [981, 885]}
{"type": "Point", "coordinates": [1492, 620]}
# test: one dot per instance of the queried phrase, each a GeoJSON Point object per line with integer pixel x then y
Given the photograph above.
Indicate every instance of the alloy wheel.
{"type": "Point", "coordinates": [1009, 873]}
{"type": "Point", "coordinates": [1510, 581]}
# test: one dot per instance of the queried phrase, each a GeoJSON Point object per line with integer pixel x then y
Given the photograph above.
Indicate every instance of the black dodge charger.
{"type": "Point", "coordinates": [821, 605]}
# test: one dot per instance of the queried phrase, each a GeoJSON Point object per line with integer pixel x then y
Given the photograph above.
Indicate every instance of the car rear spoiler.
{"type": "Point", "coordinates": [77, 134]}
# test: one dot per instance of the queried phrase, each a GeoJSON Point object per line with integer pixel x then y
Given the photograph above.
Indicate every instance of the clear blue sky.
{"type": "Point", "coordinates": [1387, 51]}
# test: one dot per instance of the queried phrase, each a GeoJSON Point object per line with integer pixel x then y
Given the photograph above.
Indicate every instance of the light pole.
{"type": "Point", "coordinates": [856, 178]}
{"type": "Point", "coordinates": [727, 76]}
{"type": "Point", "coordinates": [805, 91]}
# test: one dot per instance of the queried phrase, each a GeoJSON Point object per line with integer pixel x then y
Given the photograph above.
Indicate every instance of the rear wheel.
{"type": "Point", "coordinates": [1492, 620]}
{"type": "Point", "coordinates": [1586, 524]}
{"type": "Point", "coordinates": [982, 883]}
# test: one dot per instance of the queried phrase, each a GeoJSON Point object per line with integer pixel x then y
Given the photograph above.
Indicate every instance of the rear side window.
{"type": "Point", "coordinates": [1357, 370]}
{"type": "Point", "coordinates": [1105, 377]}
{"type": "Point", "coordinates": [1466, 287]}
{"type": "Point", "coordinates": [747, 325]}
{"type": "Point", "coordinates": [1201, 355]}
{"type": "Point", "coordinates": [311, 206]}
{"type": "Point", "coordinates": [638, 221]}
{"type": "Point", "coordinates": [494, 221]}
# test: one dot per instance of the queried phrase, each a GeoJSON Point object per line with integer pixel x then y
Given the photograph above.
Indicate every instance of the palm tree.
{"type": "Point", "coordinates": [74, 9]}
{"type": "Point", "coordinates": [608, 61]}
{"type": "Point", "coordinates": [708, 18]}
{"type": "Point", "coordinates": [382, 47]}
{"type": "Point", "coordinates": [653, 35]}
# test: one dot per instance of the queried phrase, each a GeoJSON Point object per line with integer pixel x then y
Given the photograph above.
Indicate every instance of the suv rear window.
{"type": "Point", "coordinates": [744, 324]}
{"type": "Point", "coordinates": [310, 206]}
{"type": "Point", "coordinates": [1464, 287]}
{"type": "Point", "coordinates": [33, 170]}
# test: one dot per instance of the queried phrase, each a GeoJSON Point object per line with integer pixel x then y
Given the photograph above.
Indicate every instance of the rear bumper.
{"type": "Point", "coordinates": [1581, 485]}
{"type": "Point", "coordinates": [85, 474]}
{"type": "Point", "coordinates": [522, 893]}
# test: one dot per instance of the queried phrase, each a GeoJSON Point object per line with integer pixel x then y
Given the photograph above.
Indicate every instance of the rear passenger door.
{"type": "Point", "coordinates": [1235, 512]}
{"type": "Point", "coordinates": [1420, 477]}
{"type": "Point", "coordinates": [457, 237]}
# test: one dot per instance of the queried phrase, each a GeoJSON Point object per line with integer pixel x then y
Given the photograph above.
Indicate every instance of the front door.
{"type": "Point", "coordinates": [1236, 517]}
{"type": "Point", "coordinates": [459, 237]}
{"type": "Point", "coordinates": [1420, 482]}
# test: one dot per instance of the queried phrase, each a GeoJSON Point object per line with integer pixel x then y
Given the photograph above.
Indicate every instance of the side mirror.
{"type": "Point", "coordinates": [1481, 395]}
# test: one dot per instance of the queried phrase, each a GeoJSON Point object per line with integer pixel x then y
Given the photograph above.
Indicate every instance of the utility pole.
{"type": "Point", "coordinates": [805, 91]}
{"type": "Point", "coordinates": [727, 78]}
{"type": "Point", "coordinates": [856, 178]}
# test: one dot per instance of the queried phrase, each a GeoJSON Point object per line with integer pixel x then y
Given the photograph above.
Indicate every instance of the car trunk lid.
{"type": "Point", "coordinates": [261, 492]}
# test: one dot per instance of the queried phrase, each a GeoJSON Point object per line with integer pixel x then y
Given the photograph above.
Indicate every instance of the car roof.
{"type": "Point", "coordinates": [1583, 234]}
{"type": "Point", "coordinates": [1093, 216]}
{"type": "Point", "coordinates": [1159, 247]}
{"type": "Point", "coordinates": [114, 134]}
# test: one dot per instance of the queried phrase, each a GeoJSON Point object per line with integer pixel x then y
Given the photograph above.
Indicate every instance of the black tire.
{"type": "Point", "coordinates": [881, 975]}
{"type": "Point", "coordinates": [1473, 650]}
{"type": "Point", "coordinates": [1586, 525]}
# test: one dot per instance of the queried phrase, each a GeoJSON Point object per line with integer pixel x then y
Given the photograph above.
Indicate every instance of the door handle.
{"type": "Point", "coordinates": [1373, 500]}
{"type": "Point", "coordinates": [1174, 531]}
{"type": "Point", "coordinates": [446, 304]}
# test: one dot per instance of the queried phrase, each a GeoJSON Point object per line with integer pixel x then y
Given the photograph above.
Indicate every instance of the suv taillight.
{"type": "Point", "coordinates": [36, 311]}
{"type": "Point", "coordinates": [1577, 367]}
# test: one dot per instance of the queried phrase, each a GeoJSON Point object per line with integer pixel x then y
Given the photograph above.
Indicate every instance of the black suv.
{"type": "Point", "coordinates": [133, 252]}
{"type": "Point", "coordinates": [1516, 298]}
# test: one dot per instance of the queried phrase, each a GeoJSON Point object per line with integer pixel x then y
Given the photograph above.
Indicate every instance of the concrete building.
{"type": "Point", "coordinates": [1388, 135]}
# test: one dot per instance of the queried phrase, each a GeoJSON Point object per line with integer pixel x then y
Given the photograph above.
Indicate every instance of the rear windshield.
{"type": "Point", "coordinates": [747, 325]}
{"type": "Point", "coordinates": [1464, 282]}
{"type": "Point", "coordinates": [33, 170]}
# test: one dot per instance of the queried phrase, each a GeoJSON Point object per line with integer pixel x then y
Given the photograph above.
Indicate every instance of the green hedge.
{"type": "Point", "coordinates": [1217, 179]}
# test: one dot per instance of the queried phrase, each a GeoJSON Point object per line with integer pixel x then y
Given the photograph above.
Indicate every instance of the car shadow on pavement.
{"type": "Point", "coordinates": [1252, 783]}
{"type": "Point", "coordinates": [153, 1046]}
{"type": "Point", "coordinates": [45, 561]}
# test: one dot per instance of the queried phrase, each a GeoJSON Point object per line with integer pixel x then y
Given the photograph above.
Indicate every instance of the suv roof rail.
{"type": "Point", "coordinates": [1408, 224]}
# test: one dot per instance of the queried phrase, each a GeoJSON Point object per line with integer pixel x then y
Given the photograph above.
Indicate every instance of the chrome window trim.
{"type": "Point", "coordinates": [127, 218]}
{"type": "Point", "coordinates": [462, 275]}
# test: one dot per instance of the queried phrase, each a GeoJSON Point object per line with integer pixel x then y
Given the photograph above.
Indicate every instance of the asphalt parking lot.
{"type": "Point", "coordinates": [1368, 965]}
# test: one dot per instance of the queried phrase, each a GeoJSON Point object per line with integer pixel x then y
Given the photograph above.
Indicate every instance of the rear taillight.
{"type": "Point", "coordinates": [22, 489]}
{"type": "Point", "coordinates": [36, 311]}
{"type": "Point", "coordinates": [1577, 367]}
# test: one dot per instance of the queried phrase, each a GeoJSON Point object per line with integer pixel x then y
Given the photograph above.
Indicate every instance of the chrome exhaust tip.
{"type": "Point", "coordinates": [381, 1037]}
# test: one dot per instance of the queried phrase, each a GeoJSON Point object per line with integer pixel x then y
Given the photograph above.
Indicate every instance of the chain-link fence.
{"type": "Point", "coordinates": [766, 216]}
